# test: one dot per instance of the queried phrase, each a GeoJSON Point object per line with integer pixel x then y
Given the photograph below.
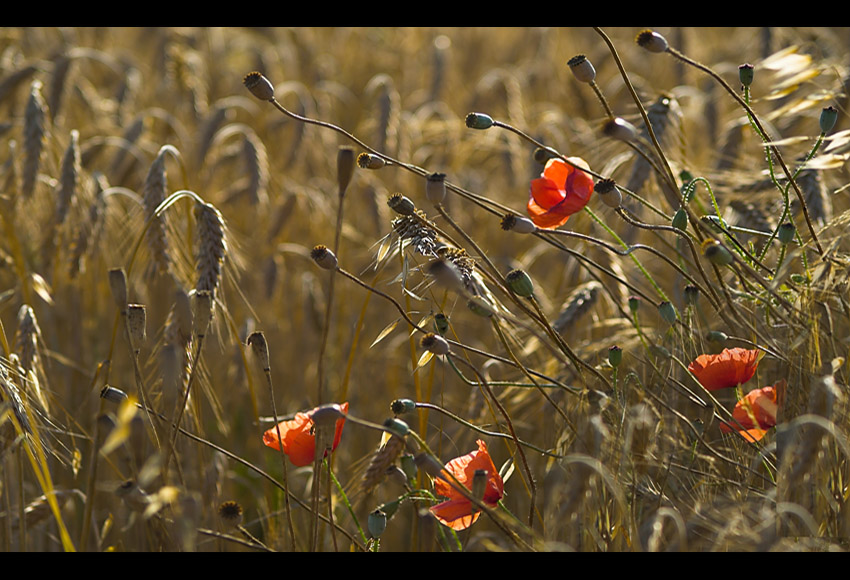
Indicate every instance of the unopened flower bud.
{"type": "Point", "coordinates": [651, 41]}
{"type": "Point", "coordinates": [716, 336]}
{"type": "Point", "coordinates": [618, 128]}
{"type": "Point", "coordinates": [435, 343]}
{"type": "Point", "coordinates": [668, 312]}
{"type": "Point", "coordinates": [716, 253]}
{"type": "Point", "coordinates": [324, 257]}
{"type": "Point", "coordinates": [634, 304]}
{"type": "Point", "coordinates": [435, 188]}
{"type": "Point", "coordinates": [582, 69]}
{"type": "Point", "coordinates": [520, 283]}
{"type": "Point", "coordinates": [479, 121]}
{"type": "Point", "coordinates": [518, 224]}
{"type": "Point", "coordinates": [746, 72]}
{"type": "Point", "coordinates": [259, 86]}
{"type": "Point", "coordinates": [786, 232]}
{"type": "Point", "coordinates": [608, 192]}
{"type": "Point", "coordinates": [615, 356]}
{"type": "Point", "coordinates": [828, 118]}
{"type": "Point", "coordinates": [401, 204]}
{"type": "Point", "coordinates": [680, 219]}
{"type": "Point", "coordinates": [369, 161]}
{"type": "Point", "coordinates": [344, 167]}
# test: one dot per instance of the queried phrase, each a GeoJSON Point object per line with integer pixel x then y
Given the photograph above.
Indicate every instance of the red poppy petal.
{"type": "Point", "coordinates": [732, 367]}
{"type": "Point", "coordinates": [557, 170]}
{"type": "Point", "coordinates": [455, 513]}
{"type": "Point", "coordinates": [546, 193]}
{"type": "Point", "coordinates": [546, 219]}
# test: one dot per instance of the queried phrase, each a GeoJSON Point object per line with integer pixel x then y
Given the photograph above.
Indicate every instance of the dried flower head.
{"type": "Point", "coordinates": [230, 513]}
{"type": "Point", "coordinates": [259, 86]}
{"type": "Point", "coordinates": [582, 68]}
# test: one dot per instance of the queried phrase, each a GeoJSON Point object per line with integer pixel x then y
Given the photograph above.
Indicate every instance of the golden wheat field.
{"type": "Point", "coordinates": [424, 289]}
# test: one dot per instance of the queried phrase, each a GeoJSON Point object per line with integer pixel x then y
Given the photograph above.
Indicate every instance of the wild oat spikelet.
{"type": "Point", "coordinates": [35, 136]}
{"type": "Point", "coordinates": [154, 194]}
{"type": "Point", "coordinates": [381, 461]}
{"type": "Point", "coordinates": [212, 247]}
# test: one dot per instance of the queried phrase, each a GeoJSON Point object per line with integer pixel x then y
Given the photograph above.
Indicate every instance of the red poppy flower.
{"type": "Point", "coordinates": [756, 412]}
{"type": "Point", "coordinates": [299, 438]}
{"type": "Point", "coordinates": [730, 368]}
{"type": "Point", "coordinates": [560, 192]}
{"type": "Point", "coordinates": [456, 512]}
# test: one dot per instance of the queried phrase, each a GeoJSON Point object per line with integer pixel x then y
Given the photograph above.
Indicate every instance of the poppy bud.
{"type": "Point", "coordinates": [113, 395]}
{"type": "Point", "coordinates": [377, 523]}
{"type": "Point", "coordinates": [634, 304]}
{"type": "Point", "coordinates": [691, 294]}
{"type": "Point", "coordinates": [136, 323]}
{"type": "Point", "coordinates": [324, 257]}
{"type": "Point", "coordinates": [344, 167]}
{"type": "Point", "coordinates": [259, 86]}
{"type": "Point", "coordinates": [402, 406]}
{"type": "Point", "coordinates": [619, 128]}
{"type": "Point", "coordinates": [478, 306]}
{"type": "Point", "coordinates": [441, 321]}
{"type": "Point", "coordinates": [230, 513]}
{"type": "Point", "coordinates": [479, 121]}
{"type": "Point", "coordinates": [118, 285]}
{"type": "Point", "coordinates": [745, 74]}
{"type": "Point", "coordinates": [828, 117]}
{"type": "Point", "coordinates": [397, 427]}
{"type": "Point", "coordinates": [615, 356]}
{"type": "Point", "coordinates": [435, 188]}
{"type": "Point", "coordinates": [786, 232]}
{"type": "Point", "coordinates": [518, 224]}
{"type": "Point", "coordinates": [401, 204]}
{"type": "Point", "coordinates": [520, 283]}
{"type": "Point", "coordinates": [668, 312]}
{"type": "Point", "coordinates": [541, 155]}
{"type": "Point", "coordinates": [582, 69]}
{"type": "Point", "coordinates": [716, 252]}
{"type": "Point", "coordinates": [258, 343]}
{"type": "Point", "coordinates": [369, 161]}
{"type": "Point", "coordinates": [651, 41]}
{"type": "Point", "coordinates": [434, 343]}
{"type": "Point", "coordinates": [716, 336]}
{"type": "Point", "coordinates": [608, 192]}
{"type": "Point", "coordinates": [680, 219]}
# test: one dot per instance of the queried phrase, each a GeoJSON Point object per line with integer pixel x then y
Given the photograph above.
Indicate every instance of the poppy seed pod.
{"type": "Point", "coordinates": [828, 117]}
{"type": "Point", "coordinates": [434, 343]}
{"type": "Point", "coordinates": [520, 283]}
{"type": "Point", "coordinates": [441, 321]}
{"type": "Point", "coordinates": [259, 86]}
{"type": "Point", "coordinates": [402, 406]}
{"type": "Point", "coordinates": [651, 41]}
{"type": "Point", "coordinates": [518, 224]}
{"type": "Point", "coordinates": [136, 323]}
{"type": "Point", "coordinates": [369, 161]}
{"type": "Point", "coordinates": [609, 193]}
{"type": "Point", "coordinates": [397, 427]}
{"type": "Point", "coordinates": [326, 415]}
{"type": "Point", "coordinates": [479, 121]}
{"type": "Point", "coordinates": [258, 344]}
{"type": "Point", "coordinates": [716, 253]}
{"type": "Point", "coordinates": [401, 204]}
{"type": "Point", "coordinates": [324, 257]}
{"type": "Point", "coordinates": [435, 188]}
{"type": "Point", "coordinates": [113, 395]}
{"type": "Point", "coordinates": [746, 72]}
{"type": "Point", "coordinates": [230, 513]}
{"type": "Point", "coordinates": [377, 523]}
{"type": "Point", "coordinates": [619, 128]}
{"type": "Point", "coordinates": [582, 68]}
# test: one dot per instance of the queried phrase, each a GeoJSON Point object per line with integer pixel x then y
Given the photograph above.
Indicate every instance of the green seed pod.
{"type": "Point", "coordinates": [397, 426]}
{"type": "Point", "coordinates": [520, 283]}
{"type": "Point", "coordinates": [441, 321]}
{"type": "Point", "coordinates": [402, 406]}
{"type": "Point", "coordinates": [828, 118]}
{"type": "Point", "coordinates": [745, 74]}
{"type": "Point", "coordinates": [377, 523]}
{"type": "Point", "coordinates": [716, 253]}
{"type": "Point", "coordinates": [479, 121]}
{"type": "Point", "coordinates": [786, 232]}
{"type": "Point", "coordinates": [716, 336]}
